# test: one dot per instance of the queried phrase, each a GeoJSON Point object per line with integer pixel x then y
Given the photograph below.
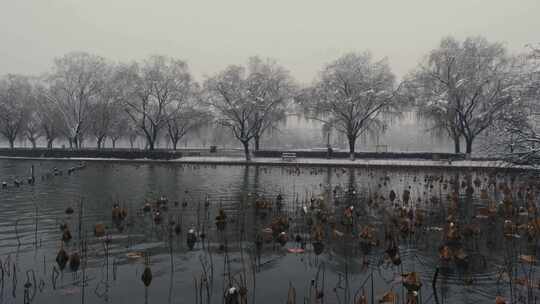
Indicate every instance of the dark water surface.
{"type": "Point", "coordinates": [30, 237]}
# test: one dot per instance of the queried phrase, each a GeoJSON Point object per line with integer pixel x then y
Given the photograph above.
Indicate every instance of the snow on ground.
{"type": "Point", "coordinates": [224, 160]}
{"type": "Point", "coordinates": [347, 162]}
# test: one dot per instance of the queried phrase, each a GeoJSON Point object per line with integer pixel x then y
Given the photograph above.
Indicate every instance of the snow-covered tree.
{"type": "Point", "coordinates": [518, 130]}
{"type": "Point", "coordinates": [354, 94]}
{"type": "Point", "coordinates": [74, 84]}
{"type": "Point", "coordinates": [107, 111]}
{"type": "Point", "coordinates": [268, 83]}
{"type": "Point", "coordinates": [464, 87]}
{"type": "Point", "coordinates": [155, 91]}
{"type": "Point", "coordinates": [50, 119]}
{"type": "Point", "coordinates": [187, 119]}
{"type": "Point", "coordinates": [246, 100]}
{"type": "Point", "coordinates": [120, 126]}
{"type": "Point", "coordinates": [32, 128]}
{"type": "Point", "coordinates": [227, 94]}
{"type": "Point", "coordinates": [15, 94]}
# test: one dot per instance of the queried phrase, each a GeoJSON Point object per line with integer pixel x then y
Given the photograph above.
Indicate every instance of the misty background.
{"type": "Point", "coordinates": [301, 35]}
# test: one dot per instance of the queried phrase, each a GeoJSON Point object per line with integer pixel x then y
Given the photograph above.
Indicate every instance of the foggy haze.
{"type": "Point", "coordinates": [301, 35]}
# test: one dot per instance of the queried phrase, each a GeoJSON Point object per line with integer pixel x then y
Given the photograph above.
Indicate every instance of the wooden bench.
{"type": "Point", "coordinates": [288, 156]}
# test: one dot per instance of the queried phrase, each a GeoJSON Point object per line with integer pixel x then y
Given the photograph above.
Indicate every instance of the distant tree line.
{"type": "Point", "coordinates": [461, 89]}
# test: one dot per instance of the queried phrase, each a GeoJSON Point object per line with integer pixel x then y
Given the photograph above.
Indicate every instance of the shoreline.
{"type": "Point", "coordinates": [298, 162]}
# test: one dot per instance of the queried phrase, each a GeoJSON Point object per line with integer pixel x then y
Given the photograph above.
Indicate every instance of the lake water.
{"type": "Point", "coordinates": [30, 237]}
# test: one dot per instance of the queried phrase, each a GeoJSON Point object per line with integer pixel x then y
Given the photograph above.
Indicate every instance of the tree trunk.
{"type": "Point", "coordinates": [352, 143]}
{"type": "Point", "coordinates": [12, 143]}
{"type": "Point", "coordinates": [149, 143]}
{"type": "Point", "coordinates": [33, 142]}
{"type": "Point", "coordinates": [468, 142]}
{"type": "Point", "coordinates": [50, 143]}
{"type": "Point", "coordinates": [257, 139]}
{"type": "Point", "coordinates": [114, 143]}
{"type": "Point", "coordinates": [246, 150]}
{"type": "Point", "coordinates": [457, 145]}
{"type": "Point", "coordinates": [175, 144]}
{"type": "Point", "coordinates": [75, 142]}
{"type": "Point", "coordinates": [99, 142]}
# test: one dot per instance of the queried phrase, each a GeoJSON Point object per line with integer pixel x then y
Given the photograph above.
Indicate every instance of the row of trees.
{"type": "Point", "coordinates": [461, 89]}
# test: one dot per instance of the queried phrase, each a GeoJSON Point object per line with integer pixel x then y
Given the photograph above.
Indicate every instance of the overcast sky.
{"type": "Point", "coordinates": [301, 34]}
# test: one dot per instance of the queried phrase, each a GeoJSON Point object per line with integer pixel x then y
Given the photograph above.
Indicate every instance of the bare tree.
{"type": "Point", "coordinates": [120, 127]}
{"type": "Point", "coordinates": [32, 129]}
{"type": "Point", "coordinates": [132, 133]}
{"type": "Point", "coordinates": [156, 91]}
{"type": "Point", "coordinates": [106, 111]}
{"type": "Point", "coordinates": [100, 122]}
{"type": "Point", "coordinates": [463, 87]}
{"type": "Point", "coordinates": [75, 83]}
{"type": "Point", "coordinates": [15, 94]}
{"type": "Point", "coordinates": [185, 121]}
{"type": "Point", "coordinates": [50, 119]}
{"type": "Point", "coordinates": [354, 94]}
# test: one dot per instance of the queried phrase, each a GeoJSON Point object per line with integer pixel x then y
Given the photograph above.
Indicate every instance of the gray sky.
{"type": "Point", "coordinates": [301, 34]}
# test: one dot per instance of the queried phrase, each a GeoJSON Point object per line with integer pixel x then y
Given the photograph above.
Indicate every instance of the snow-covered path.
{"type": "Point", "coordinates": [345, 162]}
{"type": "Point", "coordinates": [228, 160]}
